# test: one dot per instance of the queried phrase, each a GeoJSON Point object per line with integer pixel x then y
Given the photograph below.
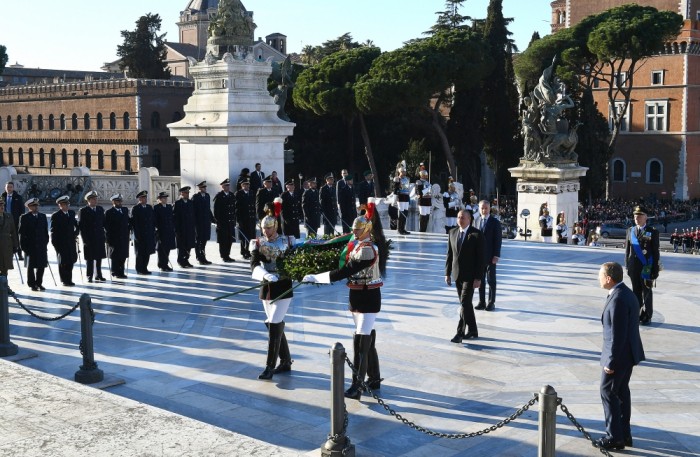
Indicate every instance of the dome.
{"type": "Point", "coordinates": [201, 5]}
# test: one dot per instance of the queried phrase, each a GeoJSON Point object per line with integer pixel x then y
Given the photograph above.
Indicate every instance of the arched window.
{"type": "Point", "coordinates": [20, 156]}
{"type": "Point", "coordinates": [2, 158]}
{"type": "Point", "coordinates": [655, 172]}
{"type": "Point", "coordinates": [31, 157]}
{"type": "Point", "coordinates": [64, 158]}
{"type": "Point", "coordinates": [19, 122]}
{"type": "Point", "coordinates": [112, 121]}
{"type": "Point", "coordinates": [30, 122]}
{"type": "Point", "coordinates": [127, 161]}
{"type": "Point", "coordinates": [86, 121]}
{"type": "Point", "coordinates": [52, 158]}
{"type": "Point", "coordinates": [113, 157]}
{"type": "Point", "coordinates": [0, 123]}
{"type": "Point", "coordinates": [10, 157]}
{"type": "Point", "coordinates": [100, 160]}
{"type": "Point", "coordinates": [125, 121]}
{"type": "Point", "coordinates": [40, 122]}
{"type": "Point", "coordinates": [156, 158]}
{"type": "Point", "coordinates": [51, 122]}
{"type": "Point", "coordinates": [74, 122]}
{"type": "Point", "coordinates": [62, 122]}
{"type": "Point", "coordinates": [9, 122]}
{"type": "Point", "coordinates": [99, 121]}
{"type": "Point", "coordinates": [76, 158]}
{"type": "Point", "coordinates": [155, 120]}
{"type": "Point", "coordinates": [177, 116]}
{"type": "Point", "coordinates": [618, 170]}
{"type": "Point", "coordinates": [42, 158]}
{"type": "Point", "coordinates": [88, 158]}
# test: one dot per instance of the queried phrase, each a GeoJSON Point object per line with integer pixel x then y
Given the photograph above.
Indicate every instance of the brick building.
{"type": "Point", "coordinates": [658, 151]}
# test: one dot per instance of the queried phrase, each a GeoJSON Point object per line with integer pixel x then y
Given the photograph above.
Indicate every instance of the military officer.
{"type": "Point", "coordinates": [329, 205]}
{"type": "Point", "coordinates": [366, 188]}
{"type": "Point", "coordinates": [421, 192]}
{"type": "Point", "coordinates": [165, 231]}
{"type": "Point", "coordinates": [183, 216]}
{"type": "Point", "coordinates": [117, 235]}
{"type": "Point", "coordinates": [33, 240]}
{"type": "Point", "coordinates": [144, 233]}
{"type": "Point", "coordinates": [92, 231]}
{"type": "Point", "coordinates": [642, 261]}
{"type": "Point", "coordinates": [245, 217]}
{"type": "Point", "coordinates": [225, 216]}
{"type": "Point", "coordinates": [347, 204]}
{"type": "Point", "coordinates": [64, 238]}
{"type": "Point", "coordinates": [203, 218]}
{"type": "Point", "coordinates": [291, 210]}
{"type": "Point", "coordinates": [311, 208]}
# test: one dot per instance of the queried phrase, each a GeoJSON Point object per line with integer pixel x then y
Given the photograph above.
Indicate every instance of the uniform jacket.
{"type": "Point", "coordinates": [165, 226]}
{"type": "Point", "coordinates": [311, 208]}
{"type": "Point", "coordinates": [8, 241]}
{"type": "Point", "coordinates": [329, 204]}
{"type": "Point", "coordinates": [466, 263]}
{"type": "Point", "coordinates": [622, 345]}
{"type": "Point", "coordinates": [225, 215]}
{"type": "Point", "coordinates": [203, 217]}
{"type": "Point", "coordinates": [493, 237]}
{"type": "Point", "coordinates": [183, 216]}
{"type": "Point", "coordinates": [34, 238]}
{"type": "Point", "coordinates": [64, 236]}
{"type": "Point", "coordinates": [365, 189]}
{"type": "Point", "coordinates": [117, 231]}
{"type": "Point", "coordinates": [92, 231]}
{"type": "Point", "coordinates": [649, 242]}
{"type": "Point", "coordinates": [262, 197]}
{"type": "Point", "coordinates": [245, 208]}
{"type": "Point", "coordinates": [143, 229]}
{"type": "Point", "coordinates": [291, 208]}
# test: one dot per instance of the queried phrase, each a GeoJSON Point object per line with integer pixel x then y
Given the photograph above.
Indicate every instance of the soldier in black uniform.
{"type": "Point", "coordinates": [117, 235]}
{"type": "Point", "coordinates": [92, 231]}
{"type": "Point", "coordinates": [225, 215]}
{"type": "Point", "coordinates": [263, 196]}
{"type": "Point", "coordinates": [366, 188]}
{"type": "Point", "coordinates": [64, 238]}
{"type": "Point", "coordinates": [245, 217]}
{"type": "Point", "coordinates": [144, 233]}
{"type": "Point", "coordinates": [203, 219]}
{"type": "Point", "coordinates": [642, 261]}
{"type": "Point", "coordinates": [291, 210]}
{"type": "Point", "coordinates": [33, 240]}
{"type": "Point", "coordinates": [346, 203]}
{"type": "Point", "coordinates": [329, 205]}
{"type": "Point", "coordinates": [14, 204]}
{"type": "Point", "coordinates": [183, 216]}
{"type": "Point", "coordinates": [165, 231]}
{"type": "Point", "coordinates": [311, 207]}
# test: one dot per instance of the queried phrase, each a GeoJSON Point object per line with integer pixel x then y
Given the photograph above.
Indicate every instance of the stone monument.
{"type": "Point", "coordinates": [548, 172]}
{"type": "Point", "coordinates": [231, 119]}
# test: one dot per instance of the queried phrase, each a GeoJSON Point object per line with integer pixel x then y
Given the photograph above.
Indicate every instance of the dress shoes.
{"type": "Point", "coordinates": [607, 443]}
{"type": "Point", "coordinates": [204, 262]}
{"type": "Point", "coordinates": [628, 441]}
{"type": "Point", "coordinates": [457, 338]}
{"type": "Point", "coordinates": [645, 320]}
{"type": "Point", "coordinates": [35, 288]}
{"type": "Point", "coordinates": [471, 336]}
{"type": "Point", "coordinates": [41, 288]}
{"type": "Point", "coordinates": [100, 278]}
{"type": "Point", "coordinates": [188, 265]}
{"type": "Point", "coordinates": [227, 259]}
{"type": "Point", "coordinates": [143, 272]}
{"type": "Point", "coordinates": [69, 284]}
{"type": "Point", "coordinates": [89, 279]}
{"type": "Point", "coordinates": [119, 276]}
{"type": "Point", "coordinates": [490, 307]}
{"type": "Point", "coordinates": [480, 306]}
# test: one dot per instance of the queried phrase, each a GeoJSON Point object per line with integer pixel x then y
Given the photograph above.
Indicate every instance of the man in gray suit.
{"type": "Point", "coordinates": [465, 261]}
{"type": "Point", "coordinates": [622, 350]}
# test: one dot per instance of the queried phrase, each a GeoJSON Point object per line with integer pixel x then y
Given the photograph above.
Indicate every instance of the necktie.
{"type": "Point", "coordinates": [481, 224]}
{"type": "Point", "coordinates": [460, 238]}
{"type": "Point", "coordinates": [9, 203]}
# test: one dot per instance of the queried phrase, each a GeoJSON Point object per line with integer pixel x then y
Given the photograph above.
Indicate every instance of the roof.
{"type": "Point", "coordinates": [201, 5]}
{"type": "Point", "coordinates": [186, 49]}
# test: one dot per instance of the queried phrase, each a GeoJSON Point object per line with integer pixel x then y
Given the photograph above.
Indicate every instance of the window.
{"type": "Point", "coordinates": [10, 156]}
{"type": "Point", "coordinates": [9, 122]}
{"type": "Point", "coordinates": [19, 122]}
{"type": "Point", "coordinates": [156, 158]}
{"type": "Point", "coordinates": [113, 156]}
{"type": "Point", "coordinates": [624, 122]}
{"type": "Point", "coordinates": [86, 121]}
{"type": "Point", "coordinates": [618, 170]}
{"type": "Point", "coordinates": [654, 172]}
{"type": "Point", "coordinates": [74, 122]}
{"type": "Point", "coordinates": [656, 113]}
{"type": "Point", "coordinates": [42, 158]}
{"type": "Point", "coordinates": [76, 158]}
{"type": "Point", "coordinates": [52, 158]}
{"type": "Point", "coordinates": [657, 77]}
{"type": "Point", "coordinates": [100, 160]}
{"type": "Point", "coordinates": [2, 159]}
{"type": "Point", "coordinates": [88, 158]}
{"type": "Point", "coordinates": [125, 121]}
{"type": "Point", "coordinates": [30, 122]}
{"type": "Point", "coordinates": [0, 123]}
{"type": "Point", "coordinates": [64, 158]}
{"type": "Point", "coordinates": [127, 161]}
{"type": "Point", "coordinates": [31, 157]}
{"type": "Point", "coordinates": [41, 122]}
{"type": "Point", "coordinates": [596, 83]}
{"type": "Point", "coordinates": [20, 156]}
{"type": "Point", "coordinates": [621, 79]}
{"type": "Point", "coordinates": [62, 122]}
{"type": "Point", "coordinates": [155, 120]}
{"type": "Point", "coordinates": [112, 121]}
{"type": "Point", "coordinates": [99, 121]}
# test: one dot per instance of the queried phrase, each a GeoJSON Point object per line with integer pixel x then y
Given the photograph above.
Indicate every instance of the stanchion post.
{"type": "Point", "coordinates": [548, 421]}
{"type": "Point", "coordinates": [7, 348]}
{"type": "Point", "coordinates": [88, 373]}
{"type": "Point", "coordinates": [338, 444]}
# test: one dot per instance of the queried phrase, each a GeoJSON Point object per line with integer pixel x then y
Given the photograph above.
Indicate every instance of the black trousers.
{"type": "Point", "coordinates": [65, 272]}
{"type": "Point", "coordinates": [183, 255]}
{"type": "Point", "coordinates": [644, 294]}
{"type": "Point", "coordinates": [35, 279]}
{"type": "Point", "coordinates": [118, 264]}
{"type": "Point", "coordinates": [92, 267]}
{"type": "Point", "coordinates": [490, 277]}
{"type": "Point", "coordinates": [142, 260]}
{"type": "Point", "coordinates": [199, 249]}
{"type": "Point", "coordinates": [163, 257]}
{"type": "Point", "coordinates": [467, 319]}
{"type": "Point", "coordinates": [617, 402]}
{"type": "Point", "coordinates": [225, 236]}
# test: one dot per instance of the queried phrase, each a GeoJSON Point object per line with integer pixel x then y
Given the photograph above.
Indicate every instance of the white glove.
{"type": "Point", "coordinates": [271, 277]}
{"type": "Point", "coordinates": [451, 204]}
{"type": "Point", "coordinates": [321, 278]}
{"type": "Point", "coordinates": [310, 279]}
{"type": "Point", "coordinates": [259, 273]}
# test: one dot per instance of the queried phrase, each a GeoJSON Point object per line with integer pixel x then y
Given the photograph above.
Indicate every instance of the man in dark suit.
{"type": "Point", "coordinates": [257, 177]}
{"type": "Point", "coordinates": [117, 236]}
{"type": "Point", "coordinates": [14, 204]}
{"type": "Point", "coordinates": [465, 261]}
{"type": "Point", "coordinates": [491, 228]}
{"type": "Point", "coordinates": [144, 232]}
{"type": "Point", "coordinates": [225, 215]}
{"type": "Point", "coordinates": [366, 188]}
{"type": "Point", "coordinates": [33, 240]}
{"type": "Point", "coordinates": [203, 218]}
{"type": "Point", "coordinates": [245, 217]}
{"type": "Point", "coordinates": [642, 261]}
{"type": "Point", "coordinates": [622, 350]}
{"type": "Point", "coordinates": [64, 238]}
{"type": "Point", "coordinates": [346, 203]}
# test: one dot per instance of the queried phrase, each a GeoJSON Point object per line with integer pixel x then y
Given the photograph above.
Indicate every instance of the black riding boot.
{"type": "Point", "coordinates": [286, 361]}
{"type": "Point", "coordinates": [273, 349]}
{"type": "Point", "coordinates": [374, 379]}
{"type": "Point", "coordinates": [424, 222]}
{"type": "Point", "coordinates": [361, 344]}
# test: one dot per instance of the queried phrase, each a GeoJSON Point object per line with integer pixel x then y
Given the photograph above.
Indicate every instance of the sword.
{"type": "Point", "coordinates": [80, 265]}
{"type": "Point", "coordinates": [19, 268]}
{"type": "Point", "coordinates": [51, 271]}
{"type": "Point", "coordinates": [335, 232]}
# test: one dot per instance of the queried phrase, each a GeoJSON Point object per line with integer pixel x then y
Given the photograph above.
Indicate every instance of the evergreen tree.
{"type": "Point", "coordinates": [449, 19]}
{"type": "Point", "coordinates": [535, 37]}
{"type": "Point", "coordinates": [3, 58]}
{"type": "Point", "coordinates": [143, 52]}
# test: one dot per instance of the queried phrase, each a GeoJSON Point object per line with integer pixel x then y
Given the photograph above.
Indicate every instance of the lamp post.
{"type": "Point", "coordinates": [525, 214]}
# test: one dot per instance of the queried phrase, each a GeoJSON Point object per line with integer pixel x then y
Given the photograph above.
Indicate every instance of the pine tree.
{"type": "Point", "coordinates": [3, 58]}
{"type": "Point", "coordinates": [449, 19]}
{"type": "Point", "coordinates": [143, 52]}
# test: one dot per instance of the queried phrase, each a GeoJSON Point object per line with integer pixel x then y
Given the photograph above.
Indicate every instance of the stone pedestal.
{"type": "Point", "coordinates": [230, 122]}
{"type": "Point", "coordinates": [557, 184]}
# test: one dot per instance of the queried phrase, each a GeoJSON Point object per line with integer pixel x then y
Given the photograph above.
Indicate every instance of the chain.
{"type": "Point", "coordinates": [32, 313]}
{"type": "Point", "coordinates": [519, 412]}
{"type": "Point", "coordinates": [580, 428]}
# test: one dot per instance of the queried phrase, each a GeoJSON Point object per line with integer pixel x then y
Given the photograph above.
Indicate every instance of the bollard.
{"type": "Point", "coordinates": [7, 348]}
{"type": "Point", "coordinates": [548, 421]}
{"type": "Point", "coordinates": [88, 373]}
{"type": "Point", "coordinates": [338, 444]}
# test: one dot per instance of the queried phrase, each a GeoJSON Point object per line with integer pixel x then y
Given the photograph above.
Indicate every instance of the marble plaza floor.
{"type": "Point", "coordinates": [178, 350]}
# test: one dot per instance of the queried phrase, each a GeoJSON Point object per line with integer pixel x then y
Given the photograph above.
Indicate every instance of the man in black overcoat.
{"type": "Point", "coordinates": [329, 205]}
{"type": "Point", "coordinates": [225, 215]}
{"type": "Point", "coordinates": [366, 188]}
{"type": "Point", "coordinates": [14, 204]}
{"type": "Point", "coordinates": [264, 196]}
{"type": "Point", "coordinates": [165, 231]}
{"type": "Point", "coordinates": [64, 238]}
{"type": "Point", "coordinates": [291, 210]}
{"type": "Point", "coordinates": [311, 208]}
{"type": "Point", "coordinates": [203, 218]}
{"type": "Point", "coordinates": [33, 240]}
{"type": "Point", "coordinates": [117, 235]}
{"type": "Point", "coordinates": [183, 216]}
{"type": "Point", "coordinates": [245, 217]}
{"type": "Point", "coordinates": [346, 203]}
{"type": "Point", "coordinates": [144, 233]}
{"type": "Point", "coordinates": [92, 231]}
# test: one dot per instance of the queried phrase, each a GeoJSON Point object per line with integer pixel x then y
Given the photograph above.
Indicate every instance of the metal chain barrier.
{"type": "Point", "coordinates": [50, 319]}
{"type": "Point", "coordinates": [338, 436]}
{"type": "Point", "coordinates": [580, 428]}
{"type": "Point", "coordinates": [519, 412]}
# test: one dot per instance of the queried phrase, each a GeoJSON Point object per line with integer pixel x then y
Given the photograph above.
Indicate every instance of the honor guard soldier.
{"type": "Point", "coordinates": [291, 210]}
{"type": "Point", "coordinates": [675, 240]}
{"type": "Point", "coordinates": [117, 235]}
{"type": "Point", "coordinates": [92, 231]}
{"type": "Point", "coordinates": [14, 205]}
{"type": "Point", "coordinates": [165, 231]}
{"type": "Point", "coordinates": [263, 196]}
{"type": "Point", "coordinates": [453, 204]}
{"type": "Point", "coordinates": [347, 204]}
{"type": "Point", "coordinates": [64, 238]}
{"type": "Point", "coordinates": [203, 218]}
{"type": "Point", "coordinates": [421, 192]}
{"type": "Point", "coordinates": [402, 189]}
{"type": "Point", "coordinates": [144, 233]}
{"type": "Point", "coordinates": [642, 261]}
{"type": "Point", "coordinates": [183, 216]}
{"type": "Point", "coordinates": [311, 208]}
{"type": "Point", "coordinates": [329, 205]}
{"type": "Point", "coordinates": [245, 217]}
{"type": "Point", "coordinates": [33, 240]}
{"type": "Point", "coordinates": [225, 216]}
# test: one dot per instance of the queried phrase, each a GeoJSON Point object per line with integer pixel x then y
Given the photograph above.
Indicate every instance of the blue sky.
{"type": "Point", "coordinates": [83, 34]}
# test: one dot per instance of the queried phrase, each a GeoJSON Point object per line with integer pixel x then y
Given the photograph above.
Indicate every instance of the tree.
{"type": "Point", "coordinates": [449, 19]}
{"type": "Point", "coordinates": [329, 89]}
{"type": "Point", "coordinates": [3, 58]}
{"type": "Point", "coordinates": [535, 36]}
{"type": "Point", "coordinates": [143, 51]}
